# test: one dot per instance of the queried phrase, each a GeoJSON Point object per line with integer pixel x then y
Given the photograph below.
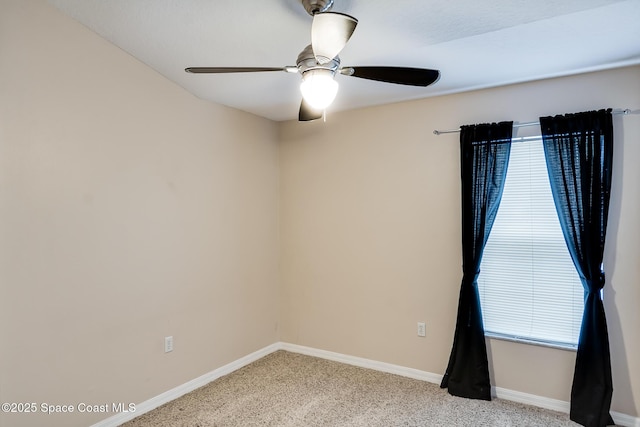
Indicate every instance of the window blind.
{"type": "Point", "coordinates": [529, 288]}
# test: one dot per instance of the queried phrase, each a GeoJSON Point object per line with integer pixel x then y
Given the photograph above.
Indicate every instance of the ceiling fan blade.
{"type": "Point", "coordinates": [308, 113]}
{"type": "Point", "coordinates": [330, 32]}
{"type": "Point", "coordinates": [222, 70]}
{"type": "Point", "coordinates": [398, 75]}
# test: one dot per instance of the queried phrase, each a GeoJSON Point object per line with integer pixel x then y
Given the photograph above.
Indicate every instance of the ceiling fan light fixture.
{"type": "Point", "coordinates": [319, 88]}
{"type": "Point", "coordinates": [319, 62]}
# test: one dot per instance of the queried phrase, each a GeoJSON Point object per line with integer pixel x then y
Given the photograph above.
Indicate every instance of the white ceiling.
{"type": "Point", "coordinates": [475, 44]}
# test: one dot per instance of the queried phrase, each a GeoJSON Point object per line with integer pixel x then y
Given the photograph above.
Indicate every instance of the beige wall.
{"type": "Point", "coordinates": [129, 211]}
{"type": "Point", "coordinates": [370, 216]}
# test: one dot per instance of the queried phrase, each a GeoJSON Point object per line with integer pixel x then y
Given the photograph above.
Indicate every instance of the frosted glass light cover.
{"type": "Point", "coordinates": [318, 88]}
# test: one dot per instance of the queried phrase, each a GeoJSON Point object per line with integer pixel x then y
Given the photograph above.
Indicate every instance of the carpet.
{"type": "Point", "coordinates": [289, 389]}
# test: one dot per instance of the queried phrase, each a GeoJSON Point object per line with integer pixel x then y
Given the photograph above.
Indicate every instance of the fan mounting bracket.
{"type": "Point", "coordinates": [317, 6]}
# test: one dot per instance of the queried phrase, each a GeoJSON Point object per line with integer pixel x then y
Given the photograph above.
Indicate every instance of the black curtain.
{"type": "Point", "coordinates": [484, 156]}
{"type": "Point", "coordinates": [579, 151]}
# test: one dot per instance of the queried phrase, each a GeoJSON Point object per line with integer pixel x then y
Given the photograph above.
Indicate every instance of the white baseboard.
{"type": "Point", "coordinates": [556, 405]}
{"type": "Point", "coordinates": [501, 393]}
{"type": "Point", "coordinates": [364, 363]}
{"type": "Point", "coordinates": [530, 399]}
{"type": "Point", "coordinates": [625, 420]}
{"type": "Point", "coordinates": [185, 388]}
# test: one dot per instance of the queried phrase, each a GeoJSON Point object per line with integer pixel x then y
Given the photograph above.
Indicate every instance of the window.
{"type": "Point", "coordinates": [529, 288]}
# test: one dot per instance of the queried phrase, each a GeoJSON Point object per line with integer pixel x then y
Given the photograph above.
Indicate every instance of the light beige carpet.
{"type": "Point", "coordinates": [289, 389]}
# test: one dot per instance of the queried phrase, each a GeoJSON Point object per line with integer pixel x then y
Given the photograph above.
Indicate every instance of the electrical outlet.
{"type": "Point", "coordinates": [422, 329]}
{"type": "Point", "coordinates": [168, 344]}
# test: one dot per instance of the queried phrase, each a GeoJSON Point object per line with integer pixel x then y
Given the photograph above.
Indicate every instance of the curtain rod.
{"type": "Point", "coordinates": [525, 124]}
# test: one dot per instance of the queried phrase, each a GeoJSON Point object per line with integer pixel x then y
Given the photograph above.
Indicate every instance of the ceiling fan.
{"type": "Point", "coordinates": [319, 62]}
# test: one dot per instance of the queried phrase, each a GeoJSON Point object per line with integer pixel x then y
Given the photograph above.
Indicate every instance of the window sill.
{"type": "Point", "coordinates": [522, 340]}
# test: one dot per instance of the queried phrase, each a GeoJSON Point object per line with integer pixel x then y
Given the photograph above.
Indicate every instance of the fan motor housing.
{"type": "Point", "coordinates": [317, 6]}
{"type": "Point", "coordinates": [306, 61]}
